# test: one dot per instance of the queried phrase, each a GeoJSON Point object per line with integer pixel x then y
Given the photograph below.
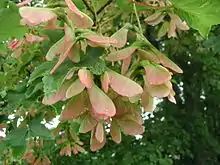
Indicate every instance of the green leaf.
{"type": "Point", "coordinates": [2, 48]}
{"type": "Point", "coordinates": [50, 85]}
{"type": "Point", "coordinates": [3, 4]}
{"type": "Point", "coordinates": [33, 89]}
{"type": "Point", "coordinates": [91, 57]}
{"type": "Point", "coordinates": [53, 35]}
{"type": "Point", "coordinates": [199, 14]}
{"type": "Point", "coordinates": [75, 127]}
{"type": "Point", "coordinates": [99, 4]}
{"type": "Point", "coordinates": [98, 68]}
{"type": "Point", "coordinates": [3, 93]}
{"type": "Point", "coordinates": [213, 43]}
{"type": "Point", "coordinates": [53, 82]}
{"type": "Point", "coordinates": [3, 146]}
{"type": "Point", "coordinates": [10, 22]}
{"type": "Point", "coordinates": [41, 70]}
{"type": "Point", "coordinates": [165, 161]}
{"type": "Point", "coordinates": [17, 137]}
{"type": "Point", "coordinates": [80, 5]}
{"type": "Point", "coordinates": [124, 5]}
{"type": "Point", "coordinates": [19, 151]}
{"type": "Point", "coordinates": [15, 99]}
{"type": "Point", "coordinates": [38, 129]}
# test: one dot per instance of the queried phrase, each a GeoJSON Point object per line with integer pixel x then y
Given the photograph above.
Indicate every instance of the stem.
{"type": "Point", "coordinates": [104, 6]}
{"type": "Point", "coordinates": [94, 9]}
{"type": "Point", "coordinates": [137, 17]}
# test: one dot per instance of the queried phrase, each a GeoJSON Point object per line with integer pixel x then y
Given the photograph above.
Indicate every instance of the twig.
{"type": "Point", "coordinates": [104, 6]}
{"type": "Point", "coordinates": [94, 13]}
{"type": "Point", "coordinates": [89, 8]}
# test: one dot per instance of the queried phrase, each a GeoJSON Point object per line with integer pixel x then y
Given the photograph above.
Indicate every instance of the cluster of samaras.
{"type": "Point", "coordinates": [170, 22]}
{"type": "Point", "coordinates": [112, 98]}
{"type": "Point", "coordinates": [32, 157]}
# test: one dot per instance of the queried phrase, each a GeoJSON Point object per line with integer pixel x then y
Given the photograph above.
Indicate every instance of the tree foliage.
{"type": "Point", "coordinates": [91, 64]}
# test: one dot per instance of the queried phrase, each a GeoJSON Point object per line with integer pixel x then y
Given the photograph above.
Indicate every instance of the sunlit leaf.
{"type": "Point", "coordinates": [194, 12]}
{"type": "Point", "coordinates": [10, 22]}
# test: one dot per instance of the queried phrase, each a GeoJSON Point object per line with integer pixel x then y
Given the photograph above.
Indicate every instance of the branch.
{"type": "Point", "coordinates": [104, 6]}
{"type": "Point", "coordinates": [89, 8]}
{"type": "Point", "coordinates": [99, 11]}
